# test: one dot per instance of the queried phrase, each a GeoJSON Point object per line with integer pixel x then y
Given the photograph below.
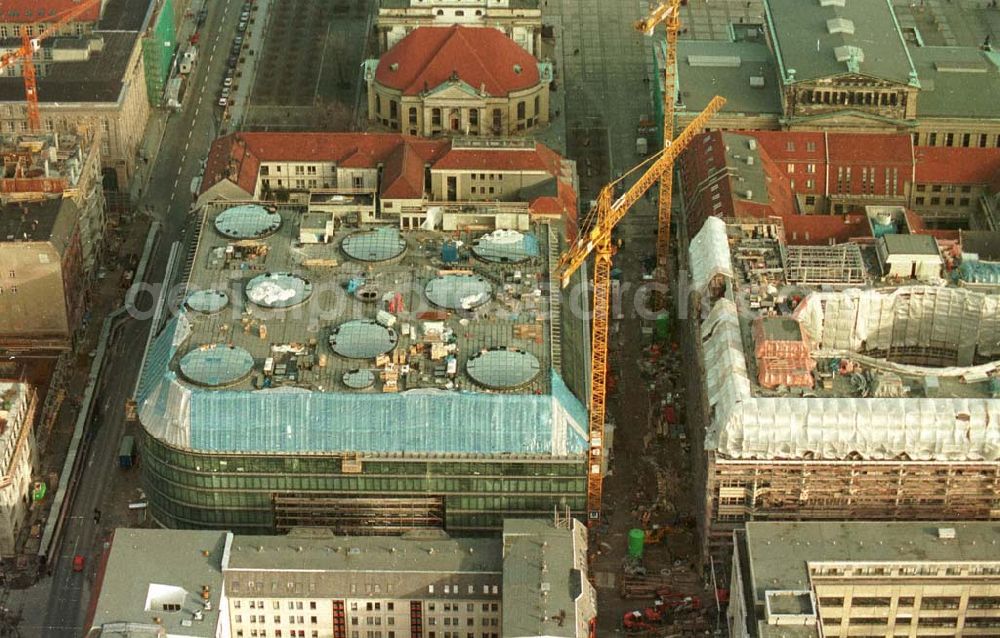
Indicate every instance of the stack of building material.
{"type": "Point", "coordinates": [782, 352]}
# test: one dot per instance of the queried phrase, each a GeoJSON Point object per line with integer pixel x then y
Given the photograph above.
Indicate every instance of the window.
{"type": "Point", "coordinates": [474, 117]}
{"type": "Point", "coordinates": [949, 201]}
{"type": "Point", "coordinates": [393, 109]}
{"type": "Point", "coordinates": [966, 139]}
{"type": "Point", "coordinates": [949, 139]}
{"type": "Point", "coordinates": [919, 201]}
{"type": "Point", "coordinates": [790, 146]}
{"type": "Point", "coordinates": [791, 168]}
{"type": "Point", "coordinates": [810, 184]}
{"type": "Point", "coordinates": [810, 200]}
{"type": "Point", "coordinates": [435, 121]}
{"type": "Point", "coordinates": [413, 115]}
{"type": "Point", "coordinates": [378, 104]}
{"type": "Point", "coordinates": [497, 120]}
{"type": "Point", "coordinates": [521, 108]}
{"type": "Point", "coordinates": [982, 140]}
{"type": "Point", "coordinates": [935, 201]}
{"type": "Point", "coordinates": [831, 602]}
{"type": "Point", "coordinates": [870, 602]}
{"type": "Point", "coordinates": [811, 147]}
{"type": "Point", "coordinates": [932, 139]}
{"type": "Point", "coordinates": [810, 168]}
{"type": "Point", "coordinates": [939, 602]}
{"type": "Point", "coordinates": [936, 188]}
{"type": "Point", "coordinates": [236, 604]}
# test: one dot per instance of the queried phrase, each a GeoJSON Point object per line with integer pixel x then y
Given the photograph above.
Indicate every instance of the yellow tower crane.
{"type": "Point", "coordinates": [669, 14]}
{"type": "Point", "coordinates": [595, 238]}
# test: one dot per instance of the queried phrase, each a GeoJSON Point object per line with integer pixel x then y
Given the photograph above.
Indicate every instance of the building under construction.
{"type": "Point", "coordinates": [365, 379]}
{"type": "Point", "coordinates": [849, 381]}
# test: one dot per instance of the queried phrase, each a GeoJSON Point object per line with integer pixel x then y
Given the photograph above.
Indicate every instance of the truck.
{"type": "Point", "coordinates": [641, 147]}
{"type": "Point", "coordinates": [126, 452]}
{"type": "Point", "coordinates": [175, 92]}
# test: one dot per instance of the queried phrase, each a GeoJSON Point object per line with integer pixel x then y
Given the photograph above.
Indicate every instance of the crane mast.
{"type": "Point", "coordinates": [669, 14]}
{"type": "Point", "coordinates": [597, 241]}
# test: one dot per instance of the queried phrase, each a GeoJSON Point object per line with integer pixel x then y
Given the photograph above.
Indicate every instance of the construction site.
{"type": "Point", "coordinates": [363, 379]}
{"type": "Point", "coordinates": [852, 381]}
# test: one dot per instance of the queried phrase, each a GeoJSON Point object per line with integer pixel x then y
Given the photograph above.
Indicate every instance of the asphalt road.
{"type": "Point", "coordinates": [189, 133]}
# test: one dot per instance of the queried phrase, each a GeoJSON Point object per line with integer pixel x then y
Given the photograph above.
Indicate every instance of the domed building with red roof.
{"type": "Point", "coordinates": [458, 81]}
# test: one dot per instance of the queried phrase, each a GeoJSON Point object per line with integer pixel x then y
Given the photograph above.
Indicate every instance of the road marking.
{"type": "Point", "coordinates": [176, 181]}
{"type": "Point", "coordinates": [179, 170]}
{"type": "Point", "coordinates": [188, 144]}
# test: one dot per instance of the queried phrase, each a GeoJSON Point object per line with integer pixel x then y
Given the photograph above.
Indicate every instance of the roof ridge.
{"type": "Point", "coordinates": [452, 30]}
{"type": "Point", "coordinates": [479, 60]}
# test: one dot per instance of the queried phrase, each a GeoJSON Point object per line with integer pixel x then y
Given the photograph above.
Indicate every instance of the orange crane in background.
{"type": "Point", "coordinates": [669, 14]}
{"type": "Point", "coordinates": [596, 239]}
{"type": "Point", "coordinates": [28, 47]}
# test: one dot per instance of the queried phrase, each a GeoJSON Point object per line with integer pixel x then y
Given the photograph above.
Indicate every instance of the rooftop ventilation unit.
{"type": "Point", "coordinates": [840, 25]}
{"type": "Point", "coordinates": [756, 81]}
{"type": "Point", "coordinates": [752, 144]}
{"type": "Point", "coordinates": [946, 533]}
{"type": "Point", "coordinates": [832, 3]}
{"type": "Point", "coordinates": [847, 53]}
{"type": "Point", "coordinates": [727, 61]}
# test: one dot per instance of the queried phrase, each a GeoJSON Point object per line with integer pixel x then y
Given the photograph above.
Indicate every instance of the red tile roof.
{"type": "Point", "coordinates": [871, 148]}
{"type": "Point", "coordinates": [24, 11]}
{"type": "Point", "coordinates": [479, 56]}
{"type": "Point", "coordinates": [504, 159]}
{"type": "Point", "coordinates": [816, 230]}
{"type": "Point", "coordinates": [957, 165]}
{"type": "Point", "coordinates": [238, 156]}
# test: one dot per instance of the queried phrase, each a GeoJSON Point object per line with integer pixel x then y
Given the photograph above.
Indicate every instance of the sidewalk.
{"type": "Point", "coordinates": [156, 126]}
{"type": "Point", "coordinates": [253, 48]}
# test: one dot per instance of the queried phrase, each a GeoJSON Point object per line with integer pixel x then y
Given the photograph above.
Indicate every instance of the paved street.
{"type": "Point", "coordinates": [57, 606]}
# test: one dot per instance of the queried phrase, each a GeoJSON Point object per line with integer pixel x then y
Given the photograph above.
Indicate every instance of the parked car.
{"type": "Point", "coordinates": [243, 25]}
{"type": "Point", "coordinates": [228, 82]}
{"type": "Point", "coordinates": [223, 102]}
{"type": "Point", "coordinates": [238, 39]}
{"type": "Point", "coordinates": [78, 562]}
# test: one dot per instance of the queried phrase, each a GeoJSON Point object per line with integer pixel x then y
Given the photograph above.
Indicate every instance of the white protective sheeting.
{"type": "Point", "coordinates": [709, 254]}
{"type": "Point", "coordinates": [867, 320]}
{"type": "Point", "coordinates": [744, 426]}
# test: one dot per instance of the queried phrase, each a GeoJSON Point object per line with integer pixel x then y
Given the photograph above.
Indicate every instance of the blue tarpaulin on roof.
{"type": "Point", "coordinates": [979, 272]}
{"type": "Point", "coordinates": [298, 420]}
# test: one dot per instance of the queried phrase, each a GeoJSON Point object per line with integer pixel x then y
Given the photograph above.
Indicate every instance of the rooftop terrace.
{"type": "Point", "coordinates": [413, 329]}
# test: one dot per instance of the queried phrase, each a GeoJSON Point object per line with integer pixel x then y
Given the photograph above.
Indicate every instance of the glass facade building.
{"type": "Point", "coordinates": [261, 493]}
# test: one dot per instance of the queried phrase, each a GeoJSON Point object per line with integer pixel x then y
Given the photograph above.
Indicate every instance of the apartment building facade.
{"type": "Point", "coordinates": [394, 179]}
{"type": "Point", "coordinates": [18, 456]}
{"type": "Point", "coordinates": [530, 581]}
{"type": "Point", "coordinates": [866, 579]}
{"type": "Point", "coordinates": [94, 80]}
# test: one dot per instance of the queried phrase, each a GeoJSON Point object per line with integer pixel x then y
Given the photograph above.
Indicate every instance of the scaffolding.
{"type": "Point", "coordinates": [839, 265]}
